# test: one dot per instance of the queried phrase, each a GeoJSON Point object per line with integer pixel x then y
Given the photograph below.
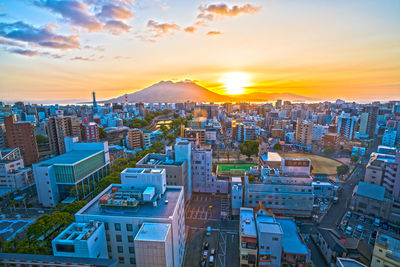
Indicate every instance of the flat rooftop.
{"type": "Point", "coordinates": [271, 156]}
{"type": "Point", "coordinates": [157, 232]}
{"type": "Point", "coordinates": [159, 159]}
{"type": "Point", "coordinates": [247, 222]}
{"type": "Point", "coordinates": [162, 210]}
{"type": "Point", "coordinates": [390, 242]}
{"type": "Point", "coordinates": [143, 170]}
{"type": "Point", "coordinates": [371, 191]}
{"type": "Point", "coordinates": [78, 232]}
{"type": "Point", "coordinates": [70, 158]}
{"type": "Point", "coordinates": [291, 241]}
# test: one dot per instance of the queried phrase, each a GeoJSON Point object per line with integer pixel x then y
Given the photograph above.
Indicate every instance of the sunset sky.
{"type": "Point", "coordinates": [61, 51]}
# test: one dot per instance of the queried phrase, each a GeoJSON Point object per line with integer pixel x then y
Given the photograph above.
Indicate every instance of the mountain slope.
{"type": "Point", "coordinates": [168, 91]}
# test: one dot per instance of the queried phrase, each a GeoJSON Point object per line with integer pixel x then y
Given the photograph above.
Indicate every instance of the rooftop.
{"type": "Point", "coordinates": [75, 261]}
{"type": "Point", "coordinates": [291, 241]}
{"type": "Point", "coordinates": [271, 156]}
{"type": "Point", "coordinates": [371, 191]}
{"type": "Point", "coordinates": [78, 232]}
{"type": "Point", "coordinates": [344, 262]}
{"type": "Point", "coordinates": [391, 242]}
{"type": "Point", "coordinates": [247, 222]}
{"type": "Point", "coordinates": [143, 209]}
{"type": "Point", "coordinates": [153, 232]}
{"type": "Point", "coordinates": [143, 170]}
{"type": "Point", "coordinates": [159, 159]}
{"type": "Point", "coordinates": [70, 158]}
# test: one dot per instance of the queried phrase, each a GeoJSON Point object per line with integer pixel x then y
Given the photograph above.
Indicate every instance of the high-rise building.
{"type": "Point", "coordinates": [22, 135]}
{"type": "Point", "coordinates": [90, 132]}
{"type": "Point", "coordinates": [60, 127]}
{"type": "Point", "coordinates": [346, 125]}
{"type": "Point", "coordinates": [304, 132]}
{"type": "Point", "coordinates": [368, 121]}
{"type": "Point", "coordinates": [389, 138]}
{"type": "Point", "coordinates": [134, 139]}
{"type": "Point", "coordinates": [201, 170]}
{"type": "Point", "coordinates": [3, 136]}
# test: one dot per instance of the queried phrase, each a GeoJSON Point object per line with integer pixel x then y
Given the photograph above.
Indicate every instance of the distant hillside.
{"type": "Point", "coordinates": [168, 91]}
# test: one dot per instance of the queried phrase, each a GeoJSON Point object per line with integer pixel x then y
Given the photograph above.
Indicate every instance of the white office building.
{"type": "Point", "coordinates": [143, 223]}
{"type": "Point", "coordinates": [13, 173]}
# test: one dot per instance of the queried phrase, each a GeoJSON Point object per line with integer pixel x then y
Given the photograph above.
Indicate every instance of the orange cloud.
{"type": "Point", "coordinates": [210, 11]}
{"type": "Point", "coordinates": [161, 29]}
{"type": "Point", "coordinates": [190, 29]}
{"type": "Point", "coordinates": [214, 33]}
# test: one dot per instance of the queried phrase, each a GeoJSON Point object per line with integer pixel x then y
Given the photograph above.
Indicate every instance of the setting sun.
{"type": "Point", "coordinates": [235, 82]}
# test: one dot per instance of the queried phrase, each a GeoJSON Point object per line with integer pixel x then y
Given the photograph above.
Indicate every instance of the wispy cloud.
{"type": "Point", "coordinates": [214, 33]}
{"type": "Point", "coordinates": [160, 29]}
{"type": "Point", "coordinates": [23, 52]}
{"type": "Point", "coordinates": [117, 27]}
{"type": "Point", "coordinates": [113, 11]}
{"type": "Point", "coordinates": [190, 29]}
{"type": "Point", "coordinates": [7, 42]}
{"type": "Point", "coordinates": [210, 12]}
{"type": "Point", "coordinates": [45, 37]}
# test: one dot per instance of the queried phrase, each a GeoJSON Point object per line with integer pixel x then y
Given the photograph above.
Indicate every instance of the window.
{"type": "Point", "coordinates": [117, 226]}
{"type": "Point", "coordinates": [132, 260]}
{"type": "Point", "coordinates": [129, 227]}
{"type": "Point", "coordinates": [106, 226]}
{"type": "Point", "coordinates": [131, 250]}
{"type": "Point", "coordinates": [120, 249]}
{"type": "Point", "coordinates": [118, 238]}
{"type": "Point", "coordinates": [109, 248]}
{"type": "Point", "coordinates": [130, 238]}
{"type": "Point", "coordinates": [121, 260]}
{"type": "Point", "coordinates": [275, 239]}
{"type": "Point", "coordinates": [107, 237]}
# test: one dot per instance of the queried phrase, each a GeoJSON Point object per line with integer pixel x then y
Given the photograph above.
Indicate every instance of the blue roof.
{"type": "Point", "coordinates": [371, 191]}
{"type": "Point", "coordinates": [153, 232]}
{"type": "Point", "coordinates": [70, 158]}
{"type": "Point", "coordinates": [291, 241]}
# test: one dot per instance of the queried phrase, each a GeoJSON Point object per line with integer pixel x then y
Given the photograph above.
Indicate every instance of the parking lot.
{"type": "Point", "coordinates": [204, 207]}
{"type": "Point", "coordinates": [363, 227]}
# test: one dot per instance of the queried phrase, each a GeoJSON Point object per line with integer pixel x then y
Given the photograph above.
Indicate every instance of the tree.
{"type": "Point", "coordinates": [102, 133]}
{"type": "Point", "coordinates": [354, 158]}
{"type": "Point", "coordinates": [342, 169]}
{"type": "Point", "coordinates": [74, 207]}
{"type": "Point", "coordinates": [157, 147]}
{"type": "Point", "coordinates": [249, 148]}
{"type": "Point", "coordinates": [328, 151]}
{"type": "Point", "coordinates": [277, 146]}
{"type": "Point", "coordinates": [41, 139]}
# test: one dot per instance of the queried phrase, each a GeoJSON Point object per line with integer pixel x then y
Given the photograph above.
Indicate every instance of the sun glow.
{"type": "Point", "coordinates": [235, 82]}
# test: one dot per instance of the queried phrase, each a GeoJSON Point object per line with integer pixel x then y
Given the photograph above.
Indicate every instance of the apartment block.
{"type": "Point", "coordinates": [58, 128]}
{"type": "Point", "coordinates": [248, 241]}
{"type": "Point", "coordinates": [134, 139]}
{"type": "Point", "coordinates": [386, 251]}
{"type": "Point", "coordinates": [202, 178]}
{"type": "Point", "coordinates": [90, 132]}
{"type": "Point", "coordinates": [286, 191]}
{"type": "Point", "coordinates": [22, 135]}
{"type": "Point", "coordinates": [304, 133]}
{"type": "Point", "coordinates": [13, 173]}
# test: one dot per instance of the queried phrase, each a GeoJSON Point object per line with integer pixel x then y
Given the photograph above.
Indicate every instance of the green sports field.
{"type": "Point", "coordinates": [226, 168]}
{"type": "Point", "coordinates": [320, 164]}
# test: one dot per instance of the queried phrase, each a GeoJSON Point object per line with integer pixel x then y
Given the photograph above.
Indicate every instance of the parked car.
{"type": "Point", "coordinates": [362, 218]}
{"type": "Point", "coordinates": [374, 234]}
{"type": "Point", "coordinates": [203, 263]}
{"type": "Point", "coordinates": [349, 230]}
{"type": "Point", "coordinates": [359, 228]}
{"type": "Point", "coordinates": [348, 214]}
{"type": "Point", "coordinates": [205, 246]}
{"type": "Point", "coordinates": [208, 231]}
{"type": "Point", "coordinates": [377, 222]}
{"type": "Point", "coordinates": [205, 254]}
{"type": "Point", "coordinates": [385, 226]}
{"type": "Point", "coordinates": [211, 261]}
{"type": "Point", "coordinates": [212, 252]}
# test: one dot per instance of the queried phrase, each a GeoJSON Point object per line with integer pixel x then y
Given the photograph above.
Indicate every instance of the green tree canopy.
{"type": "Point", "coordinates": [354, 158]}
{"type": "Point", "coordinates": [102, 133]}
{"type": "Point", "coordinates": [342, 169]}
{"type": "Point", "coordinates": [41, 139]}
{"type": "Point", "coordinates": [249, 148]}
{"type": "Point", "coordinates": [277, 146]}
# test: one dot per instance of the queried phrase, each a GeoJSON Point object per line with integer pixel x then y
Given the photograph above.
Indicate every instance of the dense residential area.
{"type": "Point", "coordinates": [200, 184]}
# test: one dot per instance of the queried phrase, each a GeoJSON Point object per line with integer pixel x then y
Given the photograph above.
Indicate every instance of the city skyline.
{"type": "Point", "coordinates": [61, 51]}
